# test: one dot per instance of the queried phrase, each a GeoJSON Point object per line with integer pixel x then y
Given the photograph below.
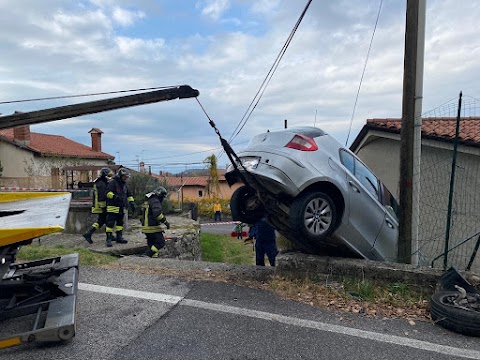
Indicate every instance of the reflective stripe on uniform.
{"type": "Point", "coordinates": [113, 209]}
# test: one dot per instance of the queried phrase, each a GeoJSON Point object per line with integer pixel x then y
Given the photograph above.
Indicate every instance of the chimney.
{"type": "Point", "coordinates": [21, 134]}
{"type": "Point", "coordinates": [96, 139]}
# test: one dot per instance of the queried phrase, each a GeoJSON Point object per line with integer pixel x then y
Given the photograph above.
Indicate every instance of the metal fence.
{"type": "Point", "coordinates": [449, 189]}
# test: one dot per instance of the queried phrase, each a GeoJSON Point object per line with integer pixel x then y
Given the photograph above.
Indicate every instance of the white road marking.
{"type": "Point", "coordinates": [131, 293]}
{"type": "Point", "coordinates": [338, 329]}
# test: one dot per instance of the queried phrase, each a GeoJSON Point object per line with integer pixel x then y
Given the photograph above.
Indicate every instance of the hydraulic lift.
{"type": "Point", "coordinates": [37, 298]}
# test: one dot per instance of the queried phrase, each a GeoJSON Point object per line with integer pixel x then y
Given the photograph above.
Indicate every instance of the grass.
{"type": "Point", "coordinates": [226, 249]}
{"type": "Point", "coordinates": [86, 257]}
{"type": "Point", "coordinates": [356, 296]}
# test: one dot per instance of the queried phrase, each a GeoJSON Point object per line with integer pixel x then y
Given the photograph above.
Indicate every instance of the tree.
{"type": "Point", "coordinates": [213, 187]}
{"type": "Point", "coordinates": [140, 184]}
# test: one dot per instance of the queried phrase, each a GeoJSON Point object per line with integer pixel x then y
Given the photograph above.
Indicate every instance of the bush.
{"type": "Point", "coordinates": [141, 184]}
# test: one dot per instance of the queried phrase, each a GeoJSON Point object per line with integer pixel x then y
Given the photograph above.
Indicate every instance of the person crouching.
{"type": "Point", "coordinates": [152, 218]}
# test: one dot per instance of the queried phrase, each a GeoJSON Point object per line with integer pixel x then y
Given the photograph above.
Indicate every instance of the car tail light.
{"type": "Point", "coordinates": [302, 143]}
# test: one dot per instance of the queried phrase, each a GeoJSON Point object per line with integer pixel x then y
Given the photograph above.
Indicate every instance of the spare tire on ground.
{"type": "Point", "coordinates": [457, 311]}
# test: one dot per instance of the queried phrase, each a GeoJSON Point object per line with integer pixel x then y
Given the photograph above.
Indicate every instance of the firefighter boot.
{"type": "Point", "coordinates": [120, 238]}
{"type": "Point", "coordinates": [152, 252]}
{"type": "Point", "coordinates": [109, 239]}
{"type": "Point", "coordinates": [88, 235]}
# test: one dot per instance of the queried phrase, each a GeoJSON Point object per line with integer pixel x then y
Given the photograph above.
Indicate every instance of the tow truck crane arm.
{"type": "Point", "coordinates": [92, 107]}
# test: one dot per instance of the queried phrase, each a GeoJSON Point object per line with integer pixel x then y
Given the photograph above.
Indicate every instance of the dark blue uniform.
{"type": "Point", "coordinates": [265, 244]}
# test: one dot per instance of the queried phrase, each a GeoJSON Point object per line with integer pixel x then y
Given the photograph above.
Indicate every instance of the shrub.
{"type": "Point", "coordinates": [141, 184]}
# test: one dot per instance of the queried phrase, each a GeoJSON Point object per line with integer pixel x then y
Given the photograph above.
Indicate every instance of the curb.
{"type": "Point", "coordinates": [321, 268]}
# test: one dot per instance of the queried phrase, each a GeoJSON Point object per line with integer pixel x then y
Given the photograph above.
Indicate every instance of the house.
{"type": "Point", "coordinates": [36, 160]}
{"type": "Point", "coordinates": [193, 188]}
{"type": "Point", "coordinates": [378, 146]}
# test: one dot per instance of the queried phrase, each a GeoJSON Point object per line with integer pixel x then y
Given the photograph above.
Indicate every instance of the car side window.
{"type": "Point", "coordinates": [366, 178]}
{"type": "Point", "coordinates": [347, 160]}
{"type": "Point", "coordinates": [390, 203]}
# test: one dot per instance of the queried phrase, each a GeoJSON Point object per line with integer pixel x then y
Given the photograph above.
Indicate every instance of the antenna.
{"type": "Point", "coordinates": [315, 117]}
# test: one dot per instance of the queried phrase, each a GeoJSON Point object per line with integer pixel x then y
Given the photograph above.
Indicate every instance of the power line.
{"type": "Point", "coordinates": [266, 81]}
{"type": "Point", "coordinates": [84, 95]}
{"type": "Point", "coordinates": [363, 72]}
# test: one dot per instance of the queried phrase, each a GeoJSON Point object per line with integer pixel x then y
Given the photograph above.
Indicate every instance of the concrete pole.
{"type": "Point", "coordinates": [410, 107]}
{"type": "Point", "coordinates": [417, 135]}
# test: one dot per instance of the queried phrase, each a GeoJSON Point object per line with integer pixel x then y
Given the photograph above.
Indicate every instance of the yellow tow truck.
{"type": "Point", "coordinates": [42, 294]}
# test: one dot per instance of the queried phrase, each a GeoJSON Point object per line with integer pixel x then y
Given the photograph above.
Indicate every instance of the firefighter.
{"type": "Point", "coordinates": [152, 218]}
{"type": "Point", "coordinates": [118, 197]}
{"type": "Point", "coordinates": [99, 205]}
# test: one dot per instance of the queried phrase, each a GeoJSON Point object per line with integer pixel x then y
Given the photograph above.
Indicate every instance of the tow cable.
{"type": "Point", "coordinates": [233, 157]}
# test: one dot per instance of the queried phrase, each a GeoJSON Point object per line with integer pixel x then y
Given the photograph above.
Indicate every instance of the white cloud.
{"type": "Point", "coordinates": [125, 17]}
{"type": "Point", "coordinates": [214, 9]}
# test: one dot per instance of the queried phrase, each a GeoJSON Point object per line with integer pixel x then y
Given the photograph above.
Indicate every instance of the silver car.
{"type": "Point", "coordinates": [316, 193]}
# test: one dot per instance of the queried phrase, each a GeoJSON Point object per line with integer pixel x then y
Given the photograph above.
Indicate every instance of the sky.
{"type": "Point", "coordinates": [225, 49]}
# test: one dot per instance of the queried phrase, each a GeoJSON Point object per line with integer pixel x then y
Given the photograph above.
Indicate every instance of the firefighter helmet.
{"type": "Point", "coordinates": [106, 172]}
{"type": "Point", "coordinates": [123, 172]}
{"type": "Point", "coordinates": [160, 191]}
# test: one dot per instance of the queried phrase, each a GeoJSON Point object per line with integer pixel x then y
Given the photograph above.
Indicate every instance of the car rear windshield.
{"type": "Point", "coordinates": [311, 132]}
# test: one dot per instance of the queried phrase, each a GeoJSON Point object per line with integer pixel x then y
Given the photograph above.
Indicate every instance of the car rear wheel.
{"type": "Point", "coordinates": [313, 215]}
{"type": "Point", "coordinates": [246, 206]}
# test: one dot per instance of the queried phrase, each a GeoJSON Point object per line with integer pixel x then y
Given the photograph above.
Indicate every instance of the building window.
{"type": "Point", "coordinates": [200, 193]}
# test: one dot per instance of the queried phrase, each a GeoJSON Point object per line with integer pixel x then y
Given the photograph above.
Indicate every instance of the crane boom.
{"type": "Point", "coordinates": [92, 107]}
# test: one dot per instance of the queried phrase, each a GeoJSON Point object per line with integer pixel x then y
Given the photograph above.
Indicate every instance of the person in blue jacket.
{"type": "Point", "coordinates": [265, 242]}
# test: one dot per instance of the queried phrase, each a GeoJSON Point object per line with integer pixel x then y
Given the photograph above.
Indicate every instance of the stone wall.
{"type": "Point", "coordinates": [182, 239]}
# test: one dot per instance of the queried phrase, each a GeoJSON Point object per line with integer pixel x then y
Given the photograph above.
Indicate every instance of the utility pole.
{"type": "Point", "coordinates": [410, 147]}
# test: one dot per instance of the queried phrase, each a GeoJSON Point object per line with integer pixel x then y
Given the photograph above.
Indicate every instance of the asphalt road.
{"type": "Point", "coordinates": [128, 315]}
{"type": "Point", "coordinates": [218, 228]}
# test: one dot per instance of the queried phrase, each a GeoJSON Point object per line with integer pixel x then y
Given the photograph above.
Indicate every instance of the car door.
{"type": "Point", "coordinates": [366, 213]}
{"type": "Point", "coordinates": [386, 244]}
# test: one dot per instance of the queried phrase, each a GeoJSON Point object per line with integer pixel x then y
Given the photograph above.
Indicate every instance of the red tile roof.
{"type": "Point", "coordinates": [438, 128]}
{"type": "Point", "coordinates": [186, 181]}
{"type": "Point", "coordinates": [46, 144]}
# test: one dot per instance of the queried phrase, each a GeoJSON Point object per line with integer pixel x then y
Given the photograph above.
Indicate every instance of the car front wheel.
{"type": "Point", "coordinates": [313, 215]}
{"type": "Point", "coordinates": [245, 205]}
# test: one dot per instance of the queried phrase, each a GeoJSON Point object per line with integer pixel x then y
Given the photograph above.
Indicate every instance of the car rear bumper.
{"type": "Point", "coordinates": [269, 175]}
